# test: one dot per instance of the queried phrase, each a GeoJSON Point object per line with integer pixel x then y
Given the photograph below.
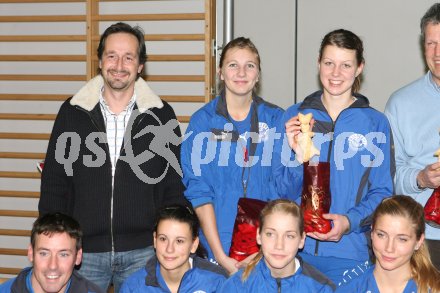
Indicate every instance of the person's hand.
{"type": "Point", "coordinates": [341, 225]}
{"type": "Point", "coordinates": [293, 129]}
{"type": "Point", "coordinates": [429, 177]}
{"type": "Point", "coordinates": [228, 263]}
{"type": "Point", "coordinates": [242, 264]}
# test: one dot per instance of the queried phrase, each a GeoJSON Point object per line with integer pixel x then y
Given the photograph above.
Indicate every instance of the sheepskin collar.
{"type": "Point", "coordinates": [88, 96]}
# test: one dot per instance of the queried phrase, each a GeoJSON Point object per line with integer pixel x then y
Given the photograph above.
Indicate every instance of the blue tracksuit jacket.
{"type": "Point", "coordinates": [213, 168]}
{"type": "Point", "coordinates": [202, 277]}
{"type": "Point", "coordinates": [367, 283]}
{"type": "Point", "coordinates": [359, 147]}
{"type": "Point", "coordinates": [306, 279]}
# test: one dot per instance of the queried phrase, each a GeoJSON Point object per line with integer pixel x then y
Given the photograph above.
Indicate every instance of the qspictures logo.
{"type": "Point", "coordinates": [213, 148]}
{"type": "Point", "coordinates": [163, 136]}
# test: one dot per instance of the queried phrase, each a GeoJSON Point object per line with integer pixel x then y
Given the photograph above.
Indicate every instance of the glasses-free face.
{"type": "Point", "coordinates": [432, 50]}
{"type": "Point", "coordinates": [338, 70]}
{"type": "Point", "coordinates": [240, 72]}
{"type": "Point", "coordinates": [280, 240]}
{"type": "Point", "coordinates": [174, 243]}
{"type": "Point", "coordinates": [54, 258]}
{"type": "Point", "coordinates": [394, 242]}
{"type": "Point", "coordinates": [120, 62]}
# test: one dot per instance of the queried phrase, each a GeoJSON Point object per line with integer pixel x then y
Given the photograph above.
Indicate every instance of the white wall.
{"type": "Point", "coordinates": [389, 29]}
{"type": "Point", "coordinates": [271, 26]}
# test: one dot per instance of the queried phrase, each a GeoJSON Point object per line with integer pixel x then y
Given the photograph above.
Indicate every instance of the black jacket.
{"type": "Point", "coordinates": [77, 177]}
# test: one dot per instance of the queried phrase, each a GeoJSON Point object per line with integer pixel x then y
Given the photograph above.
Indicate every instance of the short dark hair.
{"type": "Point", "coordinates": [431, 16]}
{"type": "Point", "coordinates": [122, 27]}
{"type": "Point", "coordinates": [51, 223]}
{"type": "Point", "coordinates": [181, 214]}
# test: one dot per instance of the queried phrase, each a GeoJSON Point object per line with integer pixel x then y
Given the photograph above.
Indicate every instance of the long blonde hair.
{"type": "Point", "coordinates": [423, 271]}
{"type": "Point", "coordinates": [279, 205]}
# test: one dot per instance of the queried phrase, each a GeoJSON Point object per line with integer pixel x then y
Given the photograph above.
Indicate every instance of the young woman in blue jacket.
{"type": "Point", "coordinates": [356, 141]}
{"type": "Point", "coordinates": [402, 257]}
{"type": "Point", "coordinates": [175, 268]}
{"type": "Point", "coordinates": [227, 150]}
{"type": "Point", "coordinates": [276, 267]}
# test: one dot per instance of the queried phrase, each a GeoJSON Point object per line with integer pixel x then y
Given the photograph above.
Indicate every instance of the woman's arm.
{"type": "Point", "coordinates": [209, 226]}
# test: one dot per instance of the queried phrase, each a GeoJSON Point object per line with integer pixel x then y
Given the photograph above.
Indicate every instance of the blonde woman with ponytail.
{"type": "Point", "coordinates": [403, 263]}
{"type": "Point", "coordinates": [276, 268]}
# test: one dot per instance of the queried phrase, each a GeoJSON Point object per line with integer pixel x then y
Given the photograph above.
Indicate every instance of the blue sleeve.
{"type": "Point", "coordinates": [135, 282]}
{"type": "Point", "coordinates": [195, 156]}
{"type": "Point", "coordinates": [287, 172]}
{"type": "Point", "coordinates": [326, 289]}
{"type": "Point", "coordinates": [380, 180]}
{"type": "Point", "coordinates": [350, 287]}
{"type": "Point", "coordinates": [6, 286]}
{"type": "Point", "coordinates": [125, 288]}
{"type": "Point", "coordinates": [231, 285]}
{"type": "Point", "coordinates": [218, 283]}
{"type": "Point", "coordinates": [362, 283]}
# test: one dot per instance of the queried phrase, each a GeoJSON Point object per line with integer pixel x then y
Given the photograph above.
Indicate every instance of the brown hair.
{"type": "Point", "coordinates": [345, 39]}
{"type": "Point", "coordinates": [57, 223]}
{"type": "Point", "coordinates": [423, 271]}
{"type": "Point", "coordinates": [279, 205]}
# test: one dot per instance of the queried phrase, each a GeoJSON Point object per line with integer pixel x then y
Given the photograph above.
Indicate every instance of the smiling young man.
{"type": "Point", "coordinates": [106, 167]}
{"type": "Point", "coordinates": [54, 251]}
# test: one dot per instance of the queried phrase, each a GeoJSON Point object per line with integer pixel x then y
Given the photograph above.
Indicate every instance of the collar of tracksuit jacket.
{"type": "Point", "coordinates": [304, 270]}
{"type": "Point", "coordinates": [222, 110]}
{"type": "Point", "coordinates": [313, 101]}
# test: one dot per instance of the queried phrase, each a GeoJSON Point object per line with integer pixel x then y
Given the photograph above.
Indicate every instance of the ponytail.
{"type": "Point", "coordinates": [356, 85]}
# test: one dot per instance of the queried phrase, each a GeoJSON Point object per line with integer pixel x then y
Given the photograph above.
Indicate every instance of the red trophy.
{"type": "Point", "coordinates": [315, 197]}
{"type": "Point", "coordinates": [244, 236]}
{"type": "Point", "coordinates": [432, 206]}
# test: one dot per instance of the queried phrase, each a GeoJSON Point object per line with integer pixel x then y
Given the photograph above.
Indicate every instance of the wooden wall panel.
{"type": "Point", "coordinates": [48, 51]}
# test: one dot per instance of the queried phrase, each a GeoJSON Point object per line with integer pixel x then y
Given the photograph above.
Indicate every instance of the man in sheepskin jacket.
{"type": "Point", "coordinates": [113, 160]}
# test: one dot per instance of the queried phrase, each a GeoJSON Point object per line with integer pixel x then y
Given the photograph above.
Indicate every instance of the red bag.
{"type": "Point", "coordinates": [315, 197]}
{"type": "Point", "coordinates": [244, 242]}
{"type": "Point", "coordinates": [432, 209]}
